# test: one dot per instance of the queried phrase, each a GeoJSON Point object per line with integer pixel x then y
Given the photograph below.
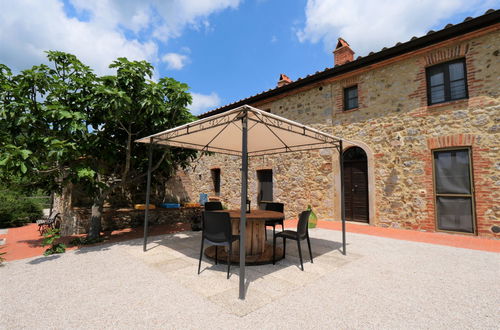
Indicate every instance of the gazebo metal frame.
{"type": "Point", "coordinates": [276, 134]}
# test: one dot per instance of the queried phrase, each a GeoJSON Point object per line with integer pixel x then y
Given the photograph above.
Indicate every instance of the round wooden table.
{"type": "Point", "coordinates": [257, 250]}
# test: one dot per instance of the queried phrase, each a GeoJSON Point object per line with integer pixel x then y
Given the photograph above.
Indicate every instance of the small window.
{"type": "Point", "coordinates": [265, 186]}
{"type": "Point", "coordinates": [216, 180]}
{"type": "Point", "coordinates": [351, 98]}
{"type": "Point", "coordinates": [446, 82]}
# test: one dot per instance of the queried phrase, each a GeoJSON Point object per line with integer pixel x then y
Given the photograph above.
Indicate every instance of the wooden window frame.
{"type": "Point", "coordinates": [471, 195]}
{"type": "Point", "coordinates": [443, 67]}
{"type": "Point", "coordinates": [346, 97]}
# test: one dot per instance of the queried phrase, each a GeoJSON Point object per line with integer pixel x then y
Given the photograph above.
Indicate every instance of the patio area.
{"type": "Point", "coordinates": [381, 283]}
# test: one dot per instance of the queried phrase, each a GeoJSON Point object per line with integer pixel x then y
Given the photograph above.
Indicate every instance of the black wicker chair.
{"type": "Point", "coordinates": [213, 206]}
{"type": "Point", "coordinates": [217, 231]}
{"type": "Point", "coordinates": [301, 234]}
{"type": "Point", "coordinates": [278, 207]}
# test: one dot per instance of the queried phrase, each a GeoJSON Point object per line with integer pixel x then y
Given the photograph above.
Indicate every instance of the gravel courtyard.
{"type": "Point", "coordinates": [381, 284]}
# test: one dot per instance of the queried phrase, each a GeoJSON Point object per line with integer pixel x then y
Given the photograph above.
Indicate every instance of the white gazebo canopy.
{"type": "Point", "coordinates": [267, 134]}
{"type": "Point", "coordinates": [244, 131]}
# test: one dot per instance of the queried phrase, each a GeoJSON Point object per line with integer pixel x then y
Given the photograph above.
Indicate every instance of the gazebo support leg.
{"type": "Point", "coordinates": [342, 205]}
{"type": "Point", "coordinates": [148, 192]}
{"type": "Point", "coordinates": [244, 192]}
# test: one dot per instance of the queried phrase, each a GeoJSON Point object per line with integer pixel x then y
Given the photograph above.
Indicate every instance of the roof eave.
{"type": "Point", "coordinates": [409, 46]}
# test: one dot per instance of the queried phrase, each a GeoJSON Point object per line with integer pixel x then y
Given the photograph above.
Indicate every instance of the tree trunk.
{"type": "Point", "coordinates": [95, 219]}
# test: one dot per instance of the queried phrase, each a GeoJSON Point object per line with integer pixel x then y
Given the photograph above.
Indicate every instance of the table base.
{"type": "Point", "coordinates": [251, 260]}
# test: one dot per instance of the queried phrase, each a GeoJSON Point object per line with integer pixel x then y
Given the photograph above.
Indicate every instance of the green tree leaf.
{"type": "Point", "coordinates": [60, 123]}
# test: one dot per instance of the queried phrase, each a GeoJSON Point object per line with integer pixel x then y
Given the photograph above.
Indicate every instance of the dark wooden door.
{"type": "Point", "coordinates": [356, 186]}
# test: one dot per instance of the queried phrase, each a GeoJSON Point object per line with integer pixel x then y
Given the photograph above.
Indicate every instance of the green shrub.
{"type": "Point", "coordinates": [17, 210]}
{"type": "Point", "coordinates": [49, 238]}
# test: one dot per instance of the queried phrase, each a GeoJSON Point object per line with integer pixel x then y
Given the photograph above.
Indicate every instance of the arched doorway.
{"type": "Point", "coordinates": [356, 185]}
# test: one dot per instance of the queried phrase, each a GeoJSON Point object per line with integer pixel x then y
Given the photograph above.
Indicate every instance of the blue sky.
{"type": "Point", "coordinates": [225, 50]}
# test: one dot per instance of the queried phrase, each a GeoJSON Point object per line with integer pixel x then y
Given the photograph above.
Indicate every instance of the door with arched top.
{"type": "Point", "coordinates": [356, 185]}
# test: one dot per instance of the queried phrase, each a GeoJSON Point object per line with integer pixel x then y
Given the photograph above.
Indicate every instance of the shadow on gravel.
{"type": "Point", "coordinates": [84, 249]}
{"type": "Point", "coordinates": [129, 236]}
{"type": "Point", "coordinates": [188, 244]}
{"type": "Point", "coordinates": [43, 259]}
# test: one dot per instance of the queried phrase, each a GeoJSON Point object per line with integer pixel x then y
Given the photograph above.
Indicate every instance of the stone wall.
{"type": "Point", "coordinates": [78, 222]}
{"type": "Point", "coordinates": [75, 206]}
{"type": "Point", "coordinates": [397, 130]}
{"type": "Point", "coordinates": [298, 180]}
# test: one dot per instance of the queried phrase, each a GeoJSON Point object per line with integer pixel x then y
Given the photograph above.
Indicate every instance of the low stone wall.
{"type": "Point", "coordinates": [78, 222]}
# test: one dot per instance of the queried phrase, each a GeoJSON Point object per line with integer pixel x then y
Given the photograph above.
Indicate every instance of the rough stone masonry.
{"type": "Point", "coordinates": [395, 127]}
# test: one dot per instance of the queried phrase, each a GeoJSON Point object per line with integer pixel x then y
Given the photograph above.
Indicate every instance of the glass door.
{"type": "Point", "coordinates": [454, 190]}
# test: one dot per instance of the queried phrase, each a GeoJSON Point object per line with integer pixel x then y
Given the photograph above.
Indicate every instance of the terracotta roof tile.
{"type": "Point", "coordinates": [349, 64]}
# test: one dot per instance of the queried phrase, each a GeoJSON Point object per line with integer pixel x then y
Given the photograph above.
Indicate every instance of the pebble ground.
{"type": "Point", "coordinates": [382, 283]}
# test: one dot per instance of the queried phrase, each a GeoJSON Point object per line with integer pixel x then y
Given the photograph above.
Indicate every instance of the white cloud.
{"type": "Point", "coordinates": [370, 25]}
{"type": "Point", "coordinates": [30, 28]}
{"type": "Point", "coordinates": [189, 12]}
{"type": "Point", "coordinates": [112, 28]}
{"type": "Point", "coordinates": [166, 19]}
{"type": "Point", "coordinates": [175, 61]}
{"type": "Point", "coordinates": [203, 103]}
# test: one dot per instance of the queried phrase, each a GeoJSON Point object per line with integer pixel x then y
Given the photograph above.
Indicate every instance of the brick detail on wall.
{"type": "Point", "coordinates": [420, 93]}
{"type": "Point", "coordinates": [457, 140]}
{"type": "Point", "coordinates": [448, 43]}
{"type": "Point", "coordinates": [427, 222]}
{"type": "Point", "coordinates": [339, 93]}
{"type": "Point", "coordinates": [446, 54]}
{"type": "Point", "coordinates": [475, 85]}
{"type": "Point", "coordinates": [483, 187]}
{"type": "Point", "coordinates": [462, 50]}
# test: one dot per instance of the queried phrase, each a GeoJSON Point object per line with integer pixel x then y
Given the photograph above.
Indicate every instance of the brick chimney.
{"type": "Point", "coordinates": [342, 53]}
{"type": "Point", "coordinates": [284, 80]}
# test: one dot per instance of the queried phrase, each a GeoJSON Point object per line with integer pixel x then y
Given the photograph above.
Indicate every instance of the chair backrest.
{"type": "Point", "coordinates": [53, 217]}
{"type": "Point", "coordinates": [278, 207]}
{"type": "Point", "coordinates": [302, 226]}
{"type": "Point", "coordinates": [213, 206]}
{"type": "Point", "coordinates": [57, 222]}
{"type": "Point", "coordinates": [217, 226]}
{"type": "Point", "coordinates": [53, 214]}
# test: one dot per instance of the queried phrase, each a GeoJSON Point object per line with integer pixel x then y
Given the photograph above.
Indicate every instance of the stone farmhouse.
{"type": "Point", "coordinates": [423, 118]}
